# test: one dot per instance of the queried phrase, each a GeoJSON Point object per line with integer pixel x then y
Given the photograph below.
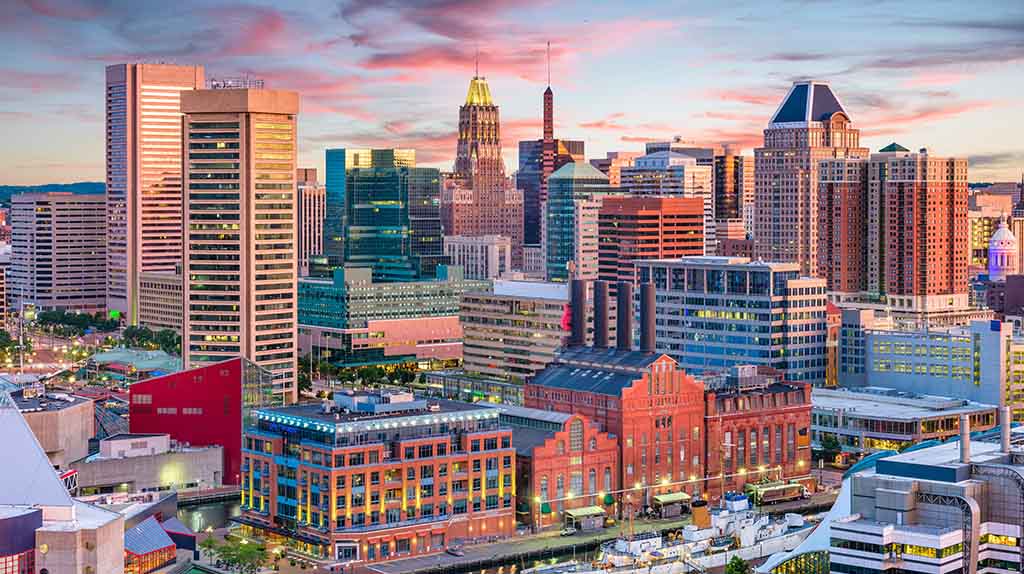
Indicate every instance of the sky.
{"type": "Point", "coordinates": [947, 75]}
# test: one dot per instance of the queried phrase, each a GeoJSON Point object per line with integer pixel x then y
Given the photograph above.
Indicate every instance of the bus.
{"type": "Point", "coordinates": [775, 491]}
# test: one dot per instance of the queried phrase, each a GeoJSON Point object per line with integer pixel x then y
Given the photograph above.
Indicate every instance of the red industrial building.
{"type": "Point", "coordinates": [202, 406]}
{"type": "Point", "coordinates": [670, 428]}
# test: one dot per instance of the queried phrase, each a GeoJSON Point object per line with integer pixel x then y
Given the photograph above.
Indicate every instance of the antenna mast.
{"type": "Point", "coordinates": [549, 68]}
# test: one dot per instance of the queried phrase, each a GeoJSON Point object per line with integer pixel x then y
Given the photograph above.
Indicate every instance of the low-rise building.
{"type": "Point", "coordinates": [125, 366]}
{"type": "Point", "coordinates": [873, 419]}
{"type": "Point", "coordinates": [160, 300]}
{"type": "Point", "coordinates": [482, 257]}
{"type": "Point", "coordinates": [149, 463]}
{"type": "Point", "coordinates": [352, 320]}
{"type": "Point", "coordinates": [379, 475]}
{"type": "Point", "coordinates": [62, 423]}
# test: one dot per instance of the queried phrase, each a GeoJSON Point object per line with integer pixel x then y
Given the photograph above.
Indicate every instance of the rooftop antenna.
{"type": "Point", "coordinates": [549, 73]}
{"type": "Point", "coordinates": [476, 69]}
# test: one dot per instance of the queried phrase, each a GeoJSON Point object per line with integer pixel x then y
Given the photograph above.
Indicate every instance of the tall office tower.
{"type": "Point", "coordinates": [312, 207]}
{"type": "Point", "coordinates": [538, 159]}
{"type": "Point", "coordinates": [337, 162]}
{"type": "Point", "coordinates": [670, 173]}
{"type": "Point", "coordinates": [734, 176]}
{"type": "Point", "coordinates": [479, 200]}
{"type": "Point", "coordinates": [576, 191]}
{"type": "Point", "coordinates": [58, 254]}
{"type": "Point", "coordinates": [144, 194]}
{"type": "Point", "coordinates": [240, 253]}
{"type": "Point", "coordinates": [393, 222]}
{"type": "Point", "coordinates": [612, 164]}
{"type": "Point", "coordinates": [810, 125]}
{"type": "Point", "coordinates": [843, 224]}
{"type": "Point", "coordinates": [644, 227]}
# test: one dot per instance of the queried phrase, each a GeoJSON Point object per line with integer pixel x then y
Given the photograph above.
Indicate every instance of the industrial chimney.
{"type": "Point", "coordinates": [965, 439]}
{"type": "Point", "coordinates": [647, 317]}
{"type": "Point", "coordinates": [1004, 429]}
{"type": "Point", "coordinates": [578, 313]}
{"type": "Point", "coordinates": [600, 314]}
{"type": "Point", "coordinates": [624, 318]}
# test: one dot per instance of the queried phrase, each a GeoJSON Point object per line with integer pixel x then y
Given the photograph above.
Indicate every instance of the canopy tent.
{"type": "Point", "coordinates": [586, 511]}
{"type": "Point", "coordinates": [672, 498]}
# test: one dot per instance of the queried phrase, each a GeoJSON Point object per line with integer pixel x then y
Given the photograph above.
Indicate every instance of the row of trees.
{"type": "Point", "coordinates": [9, 346]}
{"type": "Point", "coordinates": [369, 375]}
{"type": "Point", "coordinates": [239, 556]}
{"type": "Point", "coordinates": [143, 337]}
{"type": "Point", "coordinates": [66, 324]}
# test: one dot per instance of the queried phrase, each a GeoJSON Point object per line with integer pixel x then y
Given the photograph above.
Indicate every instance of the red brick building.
{"type": "Point", "coordinates": [563, 462]}
{"type": "Point", "coordinates": [646, 227]}
{"type": "Point", "coordinates": [757, 427]}
{"type": "Point", "coordinates": [378, 476]}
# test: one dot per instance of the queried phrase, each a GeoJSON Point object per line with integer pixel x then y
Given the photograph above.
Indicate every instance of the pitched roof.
{"type": "Point", "coordinates": [479, 93]}
{"type": "Point", "coordinates": [176, 526]}
{"type": "Point", "coordinates": [145, 537]}
{"type": "Point", "coordinates": [35, 482]}
{"type": "Point", "coordinates": [601, 371]}
{"type": "Point", "coordinates": [893, 147]}
{"type": "Point", "coordinates": [808, 101]}
{"type": "Point", "coordinates": [578, 170]}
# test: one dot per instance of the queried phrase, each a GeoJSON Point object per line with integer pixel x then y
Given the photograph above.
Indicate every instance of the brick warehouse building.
{"type": "Point", "coordinates": [654, 408]}
{"type": "Point", "coordinates": [757, 427]}
{"type": "Point", "coordinates": [669, 426]}
{"type": "Point", "coordinates": [378, 475]}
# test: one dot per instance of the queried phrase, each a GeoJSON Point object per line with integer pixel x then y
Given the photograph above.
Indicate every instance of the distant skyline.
{"type": "Point", "coordinates": [392, 73]}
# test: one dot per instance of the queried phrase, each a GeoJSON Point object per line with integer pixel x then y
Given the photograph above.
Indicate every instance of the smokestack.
{"type": "Point", "coordinates": [624, 318]}
{"type": "Point", "coordinates": [600, 314]}
{"type": "Point", "coordinates": [1004, 429]}
{"type": "Point", "coordinates": [578, 313]}
{"type": "Point", "coordinates": [965, 439]}
{"type": "Point", "coordinates": [647, 317]}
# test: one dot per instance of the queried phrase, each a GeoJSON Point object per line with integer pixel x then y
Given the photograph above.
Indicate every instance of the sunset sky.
{"type": "Point", "coordinates": [944, 74]}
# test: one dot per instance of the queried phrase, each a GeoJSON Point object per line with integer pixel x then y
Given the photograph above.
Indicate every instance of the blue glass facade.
{"type": "Point", "coordinates": [334, 215]}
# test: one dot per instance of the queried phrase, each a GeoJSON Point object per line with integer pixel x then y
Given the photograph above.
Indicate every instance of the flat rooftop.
{"type": "Point", "coordinates": [45, 403]}
{"type": "Point", "coordinates": [314, 411]}
{"type": "Point", "coordinates": [720, 261]}
{"type": "Point", "coordinates": [875, 403]}
{"type": "Point", "coordinates": [532, 289]}
{"type": "Point", "coordinates": [131, 435]}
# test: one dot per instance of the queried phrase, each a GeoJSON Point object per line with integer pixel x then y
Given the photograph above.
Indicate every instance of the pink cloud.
{"type": "Point", "coordinates": [38, 82]}
{"type": "Point", "coordinates": [747, 96]}
{"type": "Point", "coordinates": [67, 9]}
{"type": "Point", "coordinates": [936, 79]}
{"type": "Point", "coordinates": [899, 121]}
{"type": "Point", "coordinates": [736, 117]}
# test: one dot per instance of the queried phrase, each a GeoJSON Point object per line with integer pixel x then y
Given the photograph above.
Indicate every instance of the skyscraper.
{"type": "Point", "coordinates": [143, 156]}
{"type": "Point", "coordinates": [810, 125]}
{"type": "Point", "coordinates": [576, 193]}
{"type": "Point", "coordinates": [734, 184]}
{"type": "Point", "coordinates": [337, 162]}
{"type": "Point", "coordinates": [58, 256]}
{"type": "Point", "coordinates": [241, 216]}
{"type": "Point", "coordinates": [478, 199]}
{"type": "Point", "coordinates": [393, 222]}
{"type": "Point", "coordinates": [312, 204]}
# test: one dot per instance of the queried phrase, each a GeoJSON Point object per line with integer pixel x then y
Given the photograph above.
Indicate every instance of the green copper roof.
{"type": "Point", "coordinates": [578, 170]}
{"type": "Point", "coordinates": [893, 147]}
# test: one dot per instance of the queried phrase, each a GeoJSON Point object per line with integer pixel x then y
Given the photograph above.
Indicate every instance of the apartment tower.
{"type": "Point", "coordinates": [809, 126]}
{"type": "Point", "coordinates": [312, 208]}
{"type": "Point", "coordinates": [240, 254]}
{"type": "Point", "coordinates": [144, 162]}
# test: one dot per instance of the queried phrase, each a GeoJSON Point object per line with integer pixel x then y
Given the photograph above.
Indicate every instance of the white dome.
{"type": "Point", "coordinates": [1002, 253]}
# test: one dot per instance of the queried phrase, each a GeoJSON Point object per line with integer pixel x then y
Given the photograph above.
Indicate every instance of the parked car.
{"type": "Point", "coordinates": [456, 551]}
{"type": "Point", "coordinates": [568, 531]}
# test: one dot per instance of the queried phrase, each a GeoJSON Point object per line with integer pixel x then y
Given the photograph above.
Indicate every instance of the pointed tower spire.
{"type": "Point", "coordinates": [476, 63]}
{"type": "Point", "coordinates": [549, 73]}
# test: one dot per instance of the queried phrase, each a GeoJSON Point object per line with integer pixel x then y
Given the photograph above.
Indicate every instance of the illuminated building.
{"type": "Point", "coordinates": [312, 206]}
{"type": "Point", "coordinates": [160, 303]}
{"type": "Point", "coordinates": [670, 173]}
{"type": "Point", "coordinates": [612, 164]}
{"type": "Point", "coordinates": [379, 475]}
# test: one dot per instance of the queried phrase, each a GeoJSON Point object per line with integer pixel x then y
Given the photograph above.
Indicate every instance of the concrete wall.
{"type": "Point", "coordinates": [135, 446]}
{"type": "Point", "coordinates": [97, 549]}
{"type": "Point", "coordinates": [204, 466]}
{"type": "Point", "coordinates": [64, 434]}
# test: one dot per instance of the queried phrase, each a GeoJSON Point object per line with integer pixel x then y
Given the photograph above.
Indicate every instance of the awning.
{"type": "Point", "coordinates": [609, 499]}
{"type": "Point", "coordinates": [671, 498]}
{"type": "Point", "coordinates": [584, 512]}
{"type": "Point", "coordinates": [545, 508]}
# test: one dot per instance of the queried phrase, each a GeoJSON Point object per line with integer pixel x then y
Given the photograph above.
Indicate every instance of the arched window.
{"type": "Point", "coordinates": [543, 494]}
{"type": "Point", "coordinates": [576, 435]}
{"type": "Point", "coordinates": [607, 478]}
{"type": "Point", "coordinates": [592, 482]}
{"type": "Point", "coordinates": [560, 487]}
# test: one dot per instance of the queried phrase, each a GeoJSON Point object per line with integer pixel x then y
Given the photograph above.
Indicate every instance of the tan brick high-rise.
{"type": "Point", "coordinates": [143, 156]}
{"type": "Point", "coordinates": [240, 253]}
{"type": "Point", "coordinates": [809, 126]}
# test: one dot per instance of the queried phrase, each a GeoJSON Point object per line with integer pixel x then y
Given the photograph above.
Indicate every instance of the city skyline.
{"type": "Point", "coordinates": [391, 74]}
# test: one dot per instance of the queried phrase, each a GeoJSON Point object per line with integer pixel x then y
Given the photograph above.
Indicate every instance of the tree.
{"type": "Point", "coordinates": [168, 341]}
{"type": "Point", "coordinates": [737, 565]}
{"type": "Point", "coordinates": [830, 447]}
{"type": "Point", "coordinates": [210, 547]}
{"type": "Point", "coordinates": [138, 337]}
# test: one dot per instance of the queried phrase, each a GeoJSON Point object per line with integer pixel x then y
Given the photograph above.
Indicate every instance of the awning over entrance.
{"type": "Point", "coordinates": [586, 511]}
{"type": "Point", "coordinates": [671, 498]}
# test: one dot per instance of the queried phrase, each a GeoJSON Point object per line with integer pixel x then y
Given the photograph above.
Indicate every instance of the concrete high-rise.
{"type": "Point", "coordinates": [612, 164]}
{"type": "Point", "coordinates": [312, 207]}
{"type": "Point", "coordinates": [809, 126]}
{"type": "Point", "coordinates": [144, 163]}
{"type": "Point", "coordinates": [241, 216]}
{"type": "Point", "coordinates": [337, 162]}
{"type": "Point", "coordinates": [58, 255]}
{"type": "Point", "coordinates": [895, 226]}
{"type": "Point", "coordinates": [646, 227]}
{"type": "Point", "coordinates": [734, 185]}
{"type": "Point", "coordinates": [479, 200]}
